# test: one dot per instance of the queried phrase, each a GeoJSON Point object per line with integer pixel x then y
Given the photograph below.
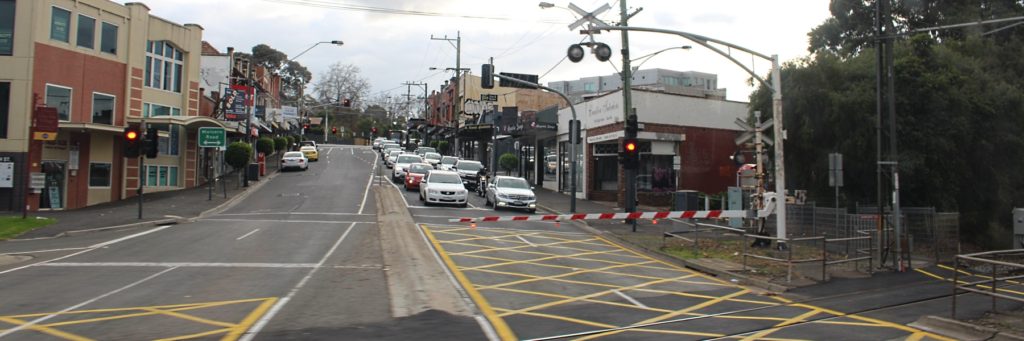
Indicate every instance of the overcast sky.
{"type": "Point", "coordinates": [394, 48]}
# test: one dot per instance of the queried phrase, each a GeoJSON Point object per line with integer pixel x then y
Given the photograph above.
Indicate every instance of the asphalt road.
{"type": "Point", "coordinates": [299, 258]}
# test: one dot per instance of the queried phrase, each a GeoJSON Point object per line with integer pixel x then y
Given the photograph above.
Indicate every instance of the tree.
{"type": "Point", "coordinates": [508, 162]}
{"type": "Point", "coordinates": [294, 76]}
{"type": "Point", "coordinates": [280, 143]}
{"type": "Point", "coordinates": [341, 81]}
{"type": "Point", "coordinates": [238, 154]}
{"type": "Point", "coordinates": [265, 145]}
{"type": "Point", "coordinates": [442, 147]}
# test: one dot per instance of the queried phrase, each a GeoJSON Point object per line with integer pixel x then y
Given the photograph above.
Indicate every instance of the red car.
{"type": "Point", "coordinates": [415, 174]}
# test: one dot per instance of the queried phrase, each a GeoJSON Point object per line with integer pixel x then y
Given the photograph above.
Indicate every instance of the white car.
{"type": "Point", "coordinates": [391, 158]}
{"type": "Point", "coordinates": [510, 192]}
{"type": "Point", "coordinates": [443, 187]}
{"type": "Point", "coordinates": [447, 162]}
{"type": "Point", "coordinates": [432, 158]}
{"type": "Point", "coordinates": [402, 164]}
{"type": "Point", "coordinates": [294, 160]}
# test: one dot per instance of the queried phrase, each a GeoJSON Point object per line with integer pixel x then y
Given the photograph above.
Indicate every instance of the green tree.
{"type": "Point", "coordinates": [291, 141]}
{"type": "Point", "coordinates": [265, 145]}
{"type": "Point", "coordinates": [280, 143]}
{"type": "Point", "coordinates": [238, 154]}
{"type": "Point", "coordinates": [508, 162]}
{"type": "Point", "coordinates": [433, 144]}
{"type": "Point", "coordinates": [294, 76]}
{"type": "Point", "coordinates": [442, 147]}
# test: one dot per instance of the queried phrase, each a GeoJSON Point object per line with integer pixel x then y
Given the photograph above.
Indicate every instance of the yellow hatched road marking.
{"type": "Point", "coordinates": [500, 259]}
{"type": "Point", "coordinates": [798, 318]}
{"type": "Point", "coordinates": [878, 322]}
{"type": "Point", "coordinates": [246, 323]}
{"type": "Point", "coordinates": [510, 248]}
{"type": "Point", "coordinates": [949, 279]}
{"type": "Point", "coordinates": [676, 313]}
{"type": "Point", "coordinates": [190, 317]}
{"type": "Point", "coordinates": [584, 297]}
{"type": "Point", "coordinates": [574, 256]}
{"type": "Point", "coordinates": [44, 329]}
{"type": "Point", "coordinates": [574, 273]}
{"type": "Point", "coordinates": [197, 335]}
{"type": "Point", "coordinates": [613, 273]}
{"type": "Point", "coordinates": [687, 294]}
{"type": "Point", "coordinates": [500, 327]}
{"type": "Point", "coordinates": [617, 304]}
{"type": "Point", "coordinates": [947, 267]}
{"type": "Point", "coordinates": [486, 248]}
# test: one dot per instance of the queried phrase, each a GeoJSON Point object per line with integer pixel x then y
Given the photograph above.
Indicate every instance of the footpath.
{"type": "Point", "coordinates": [158, 208]}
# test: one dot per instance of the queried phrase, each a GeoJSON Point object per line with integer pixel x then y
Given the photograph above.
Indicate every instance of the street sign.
{"type": "Point", "coordinates": [488, 98]}
{"type": "Point", "coordinates": [523, 77]}
{"type": "Point", "coordinates": [212, 137]}
{"type": "Point", "coordinates": [37, 180]}
{"type": "Point", "coordinates": [835, 170]}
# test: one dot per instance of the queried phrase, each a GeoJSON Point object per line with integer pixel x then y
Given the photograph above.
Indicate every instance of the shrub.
{"type": "Point", "coordinates": [442, 146]}
{"type": "Point", "coordinates": [508, 162]}
{"type": "Point", "coordinates": [265, 145]}
{"type": "Point", "coordinates": [433, 144]}
{"type": "Point", "coordinates": [291, 141]}
{"type": "Point", "coordinates": [280, 143]}
{"type": "Point", "coordinates": [238, 154]}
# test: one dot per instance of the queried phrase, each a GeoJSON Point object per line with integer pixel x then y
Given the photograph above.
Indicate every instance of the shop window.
{"type": "Point", "coordinates": [151, 110]}
{"type": "Point", "coordinates": [6, 27]}
{"type": "Point", "coordinates": [60, 24]}
{"type": "Point", "coordinates": [102, 108]}
{"type": "Point", "coordinates": [86, 32]}
{"type": "Point", "coordinates": [108, 38]}
{"type": "Point", "coordinates": [99, 175]}
{"type": "Point", "coordinates": [5, 108]}
{"type": "Point", "coordinates": [173, 177]}
{"type": "Point", "coordinates": [656, 174]}
{"type": "Point", "coordinates": [59, 97]}
{"type": "Point", "coordinates": [151, 172]}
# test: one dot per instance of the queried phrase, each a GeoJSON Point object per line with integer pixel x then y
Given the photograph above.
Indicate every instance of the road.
{"type": "Point", "coordinates": [339, 252]}
{"type": "Point", "coordinates": [299, 258]}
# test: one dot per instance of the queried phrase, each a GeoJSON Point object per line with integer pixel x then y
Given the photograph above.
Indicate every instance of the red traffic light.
{"type": "Point", "coordinates": [334, 130]}
{"type": "Point", "coordinates": [131, 135]}
{"type": "Point", "coordinates": [630, 146]}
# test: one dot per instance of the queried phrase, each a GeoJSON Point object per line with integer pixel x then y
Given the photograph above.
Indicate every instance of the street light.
{"type": "Point", "coordinates": [302, 91]}
{"type": "Point", "coordinates": [651, 55]}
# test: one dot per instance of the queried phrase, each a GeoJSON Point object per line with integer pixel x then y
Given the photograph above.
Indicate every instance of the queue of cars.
{"type": "Point", "coordinates": [448, 180]}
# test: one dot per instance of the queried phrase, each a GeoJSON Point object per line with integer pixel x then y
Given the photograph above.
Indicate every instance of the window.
{"type": "Point", "coordinates": [102, 108]}
{"type": "Point", "coordinates": [164, 66]}
{"type": "Point", "coordinates": [6, 27]}
{"type": "Point", "coordinates": [99, 175]}
{"type": "Point", "coordinates": [108, 38]}
{"type": "Point", "coordinates": [173, 177]}
{"type": "Point", "coordinates": [161, 176]}
{"type": "Point", "coordinates": [86, 31]}
{"type": "Point", "coordinates": [150, 110]}
{"type": "Point", "coordinates": [60, 24]}
{"type": "Point", "coordinates": [151, 175]}
{"type": "Point", "coordinates": [169, 142]}
{"type": "Point", "coordinates": [589, 87]}
{"type": "Point", "coordinates": [59, 97]}
{"type": "Point", "coordinates": [5, 107]}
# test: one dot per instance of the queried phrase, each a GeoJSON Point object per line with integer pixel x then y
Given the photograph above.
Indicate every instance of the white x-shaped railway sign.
{"type": "Point", "coordinates": [590, 17]}
{"type": "Point", "coordinates": [750, 132]}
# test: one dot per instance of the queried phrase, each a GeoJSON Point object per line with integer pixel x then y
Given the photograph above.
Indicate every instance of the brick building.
{"type": "Point", "coordinates": [102, 66]}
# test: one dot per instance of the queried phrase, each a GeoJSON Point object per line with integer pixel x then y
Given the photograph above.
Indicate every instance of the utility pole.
{"type": "Point", "coordinates": [408, 98]}
{"type": "Point", "coordinates": [458, 83]}
{"type": "Point", "coordinates": [627, 109]}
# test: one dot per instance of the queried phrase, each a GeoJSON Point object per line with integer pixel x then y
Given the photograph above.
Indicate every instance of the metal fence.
{"type": "Point", "coordinates": [996, 274]}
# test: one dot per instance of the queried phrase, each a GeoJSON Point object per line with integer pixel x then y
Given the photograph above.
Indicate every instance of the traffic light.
{"type": "Point", "coordinates": [374, 131]}
{"type": "Point", "coordinates": [346, 103]}
{"type": "Point", "coordinates": [152, 143]}
{"type": "Point", "coordinates": [305, 126]}
{"type": "Point", "coordinates": [334, 130]}
{"type": "Point", "coordinates": [487, 76]}
{"type": "Point", "coordinates": [632, 126]}
{"type": "Point", "coordinates": [630, 153]}
{"type": "Point", "coordinates": [131, 138]}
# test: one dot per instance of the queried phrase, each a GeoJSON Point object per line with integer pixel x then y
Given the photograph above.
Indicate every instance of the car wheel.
{"type": "Point", "coordinates": [487, 201]}
{"type": "Point", "coordinates": [421, 198]}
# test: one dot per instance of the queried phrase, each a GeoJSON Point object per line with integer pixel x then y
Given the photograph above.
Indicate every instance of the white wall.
{"type": "Point", "coordinates": [213, 71]}
{"type": "Point", "coordinates": [661, 108]}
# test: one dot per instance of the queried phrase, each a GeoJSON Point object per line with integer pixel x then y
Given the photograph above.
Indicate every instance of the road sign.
{"type": "Point", "coordinates": [488, 98]}
{"type": "Point", "coordinates": [835, 170]}
{"type": "Point", "coordinates": [751, 132]}
{"type": "Point", "coordinates": [211, 137]}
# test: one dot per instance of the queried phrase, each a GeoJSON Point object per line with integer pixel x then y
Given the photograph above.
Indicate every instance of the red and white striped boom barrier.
{"type": "Point", "coordinates": [769, 209]}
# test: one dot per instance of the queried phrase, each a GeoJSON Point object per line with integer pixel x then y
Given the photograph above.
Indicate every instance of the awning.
{"type": "Point", "coordinates": [92, 127]}
{"type": "Point", "coordinates": [187, 121]}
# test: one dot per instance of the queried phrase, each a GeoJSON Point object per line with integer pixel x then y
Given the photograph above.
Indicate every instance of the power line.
{"type": "Point", "coordinates": [384, 10]}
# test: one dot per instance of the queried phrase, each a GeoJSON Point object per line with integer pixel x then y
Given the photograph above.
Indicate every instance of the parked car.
{"type": "Point", "coordinates": [310, 152]}
{"type": "Point", "coordinates": [432, 158]}
{"type": "Point", "coordinates": [378, 142]}
{"type": "Point", "coordinates": [296, 160]}
{"type": "Point", "coordinates": [415, 175]}
{"type": "Point", "coordinates": [443, 187]}
{"type": "Point", "coordinates": [510, 192]}
{"type": "Point", "coordinates": [469, 171]}
{"type": "Point", "coordinates": [401, 164]}
{"type": "Point", "coordinates": [422, 151]}
{"type": "Point", "coordinates": [391, 158]}
{"type": "Point", "coordinates": [551, 164]}
{"type": "Point", "coordinates": [388, 145]}
{"type": "Point", "coordinates": [447, 162]}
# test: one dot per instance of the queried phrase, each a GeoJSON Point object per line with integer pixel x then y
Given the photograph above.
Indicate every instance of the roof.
{"type": "Point", "coordinates": [209, 50]}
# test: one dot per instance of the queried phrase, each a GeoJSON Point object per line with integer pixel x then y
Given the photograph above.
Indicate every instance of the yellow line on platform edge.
{"type": "Point", "coordinates": [500, 327]}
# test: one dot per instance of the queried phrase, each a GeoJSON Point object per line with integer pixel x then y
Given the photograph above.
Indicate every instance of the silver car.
{"type": "Point", "coordinates": [510, 192]}
{"type": "Point", "coordinates": [402, 165]}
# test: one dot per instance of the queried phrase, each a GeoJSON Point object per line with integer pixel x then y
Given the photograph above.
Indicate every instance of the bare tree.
{"type": "Point", "coordinates": [342, 81]}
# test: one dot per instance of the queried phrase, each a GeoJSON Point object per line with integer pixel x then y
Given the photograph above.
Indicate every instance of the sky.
{"type": "Point", "coordinates": [391, 48]}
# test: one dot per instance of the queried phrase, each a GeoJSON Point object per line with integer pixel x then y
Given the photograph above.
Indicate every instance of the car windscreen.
{"type": "Point", "coordinates": [449, 160]}
{"type": "Point", "coordinates": [427, 150]}
{"type": "Point", "coordinates": [420, 168]}
{"type": "Point", "coordinates": [469, 166]}
{"type": "Point", "coordinates": [395, 153]}
{"type": "Point", "coordinates": [445, 179]}
{"type": "Point", "coordinates": [293, 154]}
{"type": "Point", "coordinates": [513, 183]}
{"type": "Point", "coordinates": [308, 149]}
{"type": "Point", "coordinates": [409, 159]}
{"type": "Point", "coordinates": [433, 156]}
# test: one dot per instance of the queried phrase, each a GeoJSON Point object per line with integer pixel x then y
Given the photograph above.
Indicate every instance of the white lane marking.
{"type": "Point", "coordinates": [97, 298]}
{"type": "Point", "coordinates": [183, 265]}
{"type": "Point", "coordinates": [118, 240]}
{"type": "Point", "coordinates": [255, 329]}
{"type": "Point", "coordinates": [487, 327]}
{"type": "Point", "coordinates": [329, 150]}
{"type": "Point", "coordinates": [291, 213]}
{"type": "Point", "coordinates": [459, 208]}
{"type": "Point", "coordinates": [401, 191]}
{"type": "Point", "coordinates": [470, 204]}
{"type": "Point", "coordinates": [247, 234]}
{"type": "Point", "coordinates": [90, 248]}
{"type": "Point", "coordinates": [366, 192]}
{"type": "Point", "coordinates": [290, 221]}
{"type": "Point", "coordinates": [526, 241]}
{"type": "Point", "coordinates": [630, 299]}
{"type": "Point", "coordinates": [353, 150]}
{"type": "Point", "coordinates": [44, 251]}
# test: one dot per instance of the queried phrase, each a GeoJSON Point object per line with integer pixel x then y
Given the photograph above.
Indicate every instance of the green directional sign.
{"type": "Point", "coordinates": [211, 137]}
